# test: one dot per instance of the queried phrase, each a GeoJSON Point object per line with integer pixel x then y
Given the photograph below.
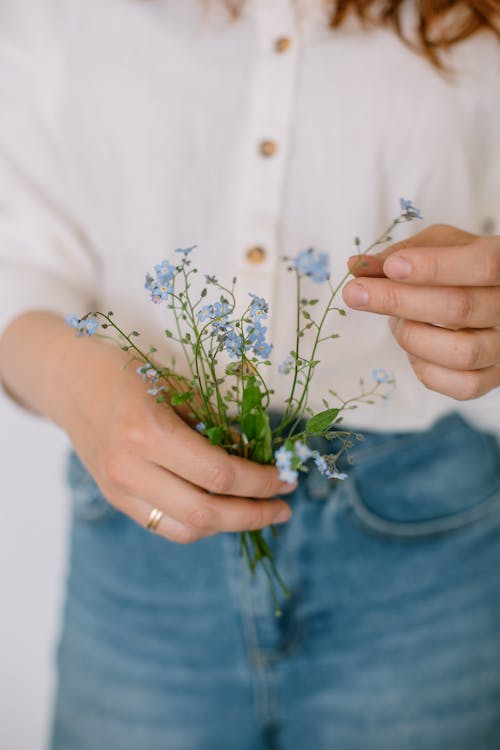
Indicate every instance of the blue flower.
{"type": "Point", "coordinates": [85, 326]}
{"type": "Point", "coordinates": [218, 313]}
{"type": "Point", "coordinates": [321, 464]}
{"type": "Point", "coordinates": [288, 475]}
{"type": "Point", "coordinates": [336, 475]}
{"type": "Point", "coordinates": [164, 270]}
{"type": "Point", "coordinates": [205, 313]}
{"type": "Point", "coordinates": [326, 466]}
{"type": "Point", "coordinates": [259, 308]}
{"type": "Point", "coordinates": [283, 458]}
{"type": "Point", "coordinates": [302, 450]}
{"type": "Point", "coordinates": [161, 286]}
{"type": "Point", "coordinates": [263, 349]}
{"type": "Point", "coordinates": [200, 427]}
{"type": "Point", "coordinates": [408, 210]}
{"type": "Point", "coordinates": [287, 365]}
{"type": "Point", "coordinates": [186, 250]}
{"type": "Point", "coordinates": [381, 376]}
{"type": "Point", "coordinates": [313, 264]}
{"type": "Point", "coordinates": [148, 374]}
{"type": "Point", "coordinates": [256, 338]}
{"type": "Point", "coordinates": [156, 391]}
{"type": "Point", "coordinates": [233, 344]}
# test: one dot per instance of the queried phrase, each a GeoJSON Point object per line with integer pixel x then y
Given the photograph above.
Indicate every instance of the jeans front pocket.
{"type": "Point", "coordinates": [427, 483]}
{"type": "Point", "coordinates": [89, 504]}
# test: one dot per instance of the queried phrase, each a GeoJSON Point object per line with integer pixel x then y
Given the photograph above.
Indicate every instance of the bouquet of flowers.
{"type": "Point", "coordinates": [225, 395]}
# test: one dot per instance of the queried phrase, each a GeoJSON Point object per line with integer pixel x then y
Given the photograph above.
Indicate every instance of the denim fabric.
{"type": "Point", "coordinates": [390, 640]}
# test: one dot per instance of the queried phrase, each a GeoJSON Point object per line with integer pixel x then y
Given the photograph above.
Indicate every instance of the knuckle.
{"type": "Point", "coordinates": [405, 335]}
{"type": "Point", "coordinates": [114, 467]}
{"type": "Point", "coordinates": [471, 354]}
{"type": "Point", "coordinates": [459, 307]}
{"type": "Point", "coordinates": [220, 478]}
{"type": "Point", "coordinates": [268, 485]}
{"type": "Point", "coordinates": [393, 299]}
{"type": "Point", "coordinates": [135, 433]}
{"type": "Point", "coordinates": [260, 517]}
{"type": "Point", "coordinates": [491, 267]}
{"type": "Point", "coordinates": [201, 517]}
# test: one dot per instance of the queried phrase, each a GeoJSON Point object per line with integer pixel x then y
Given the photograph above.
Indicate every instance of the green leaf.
{"type": "Point", "coordinates": [251, 395]}
{"type": "Point", "coordinates": [215, 435]}
{"type": "Point", "coordinates": [168, 334]}
{"type": "Point", "coordinates": [321, 420]}
{"type": "Point", "coordinates": [180, 398]}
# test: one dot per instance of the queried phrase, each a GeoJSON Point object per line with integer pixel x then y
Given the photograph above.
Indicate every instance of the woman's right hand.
{"type": "Point", "coordinates": [141, 454]}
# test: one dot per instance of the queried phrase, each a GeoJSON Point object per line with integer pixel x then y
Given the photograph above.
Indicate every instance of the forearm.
{"type": "Point", "coordinates": [44, 365]}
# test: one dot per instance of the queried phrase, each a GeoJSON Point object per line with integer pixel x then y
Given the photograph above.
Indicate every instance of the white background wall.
{"type": "Point", "coordinates": [33, 520]}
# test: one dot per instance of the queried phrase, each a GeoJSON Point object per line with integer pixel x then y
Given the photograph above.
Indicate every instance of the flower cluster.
{"type": "Point", "coordinates": [218, 314]}
{"type": "Point", "coordinates": [326, 466]}
{"type": "Point", "coordinates": [286, 367]}
{"type": "Point", "coordinates": [232, 339]}
{"type": "Point", "coordinates": [408, 210]}
{"type": "Point", "coordinates": [291, 457]}
{"type": "Point", "coordinates": [228, 403]}
{"type": "Point", "coordinates": [161, 286]}
{"type": "Point", "coordinates": [85, 326]}
{"type": "Point", "coordinates": [151, 376]}
{"type": "Point", "coordinates": [313, 264]}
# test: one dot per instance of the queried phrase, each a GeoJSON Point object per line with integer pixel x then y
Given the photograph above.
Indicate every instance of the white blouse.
{"type": "Point", "coordinates": [129, 128]}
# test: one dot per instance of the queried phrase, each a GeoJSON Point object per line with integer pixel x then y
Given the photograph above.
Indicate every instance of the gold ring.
{"type": "Point", "coordinates": [154, 519]}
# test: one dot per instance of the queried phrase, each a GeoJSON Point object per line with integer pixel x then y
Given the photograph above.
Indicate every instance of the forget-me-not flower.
{"type": "Point", "coordinates": [312, 263]}
{"type": "Point", "coordinates": [86, 326]}
{"type": "Point", "coordinates": [408, 210]}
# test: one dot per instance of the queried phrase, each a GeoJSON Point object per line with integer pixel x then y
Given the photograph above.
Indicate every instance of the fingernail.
{"type": "Point", "coordinates": [355, 295]}
{"type": "Point", "coordinates": [393, 323]}
{"type": "Point", "coordinates": [397, 268]}
{"type": "Point", "coordinates": [284, 515]}
{"type": "Point", "coordinates": [358, 261]}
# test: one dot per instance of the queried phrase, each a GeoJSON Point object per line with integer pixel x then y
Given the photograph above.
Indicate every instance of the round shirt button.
{"type": "Point", "coordinates": [268, 148]}
{"type": "Point", "coordinates": [256, 255]}
{"type": "Point", "coordinates": [282, 44]}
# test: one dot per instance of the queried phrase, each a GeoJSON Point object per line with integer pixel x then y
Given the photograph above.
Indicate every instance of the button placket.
{"type": "Point", "coordinates": [269, 131]}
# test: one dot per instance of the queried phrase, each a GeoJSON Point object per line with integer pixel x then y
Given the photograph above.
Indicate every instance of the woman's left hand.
{"type": "Point", "coordinates": [441, 288]}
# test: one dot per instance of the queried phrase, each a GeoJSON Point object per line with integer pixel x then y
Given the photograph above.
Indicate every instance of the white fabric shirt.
{"type": "Point", "coordinates": [129, 128]}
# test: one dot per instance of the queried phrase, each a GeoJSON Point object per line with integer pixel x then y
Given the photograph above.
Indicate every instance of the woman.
{"type": "Point", "coordinates": [135, 126]}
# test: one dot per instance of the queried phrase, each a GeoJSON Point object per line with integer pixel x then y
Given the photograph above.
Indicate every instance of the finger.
{"type": "Point", "coordinates": [453, 307]}
{"type": "Point", "coordinates": [477, 264]}
{"type": "Point", "coordinates": [366, 265]}
{"type": "Point", "coordinates": [437, 235]}
{"type": "Point", "coordinates": [197, 509]}
{"type": "Point", "coordinates": [460, 385]}
{"type": "Point", "coordinates": [181, 450]}
{"type": "Point", "coordinates": [459, 350]}
{"type": "Point", "coordinates": [140, 511]}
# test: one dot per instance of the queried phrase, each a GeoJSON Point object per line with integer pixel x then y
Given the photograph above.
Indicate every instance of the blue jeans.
{"type": "Point", "coordinates": [390, 640]}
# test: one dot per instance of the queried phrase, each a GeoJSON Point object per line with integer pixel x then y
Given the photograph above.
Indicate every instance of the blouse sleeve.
{"type": "Point", "coordinates": [45, 261]}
